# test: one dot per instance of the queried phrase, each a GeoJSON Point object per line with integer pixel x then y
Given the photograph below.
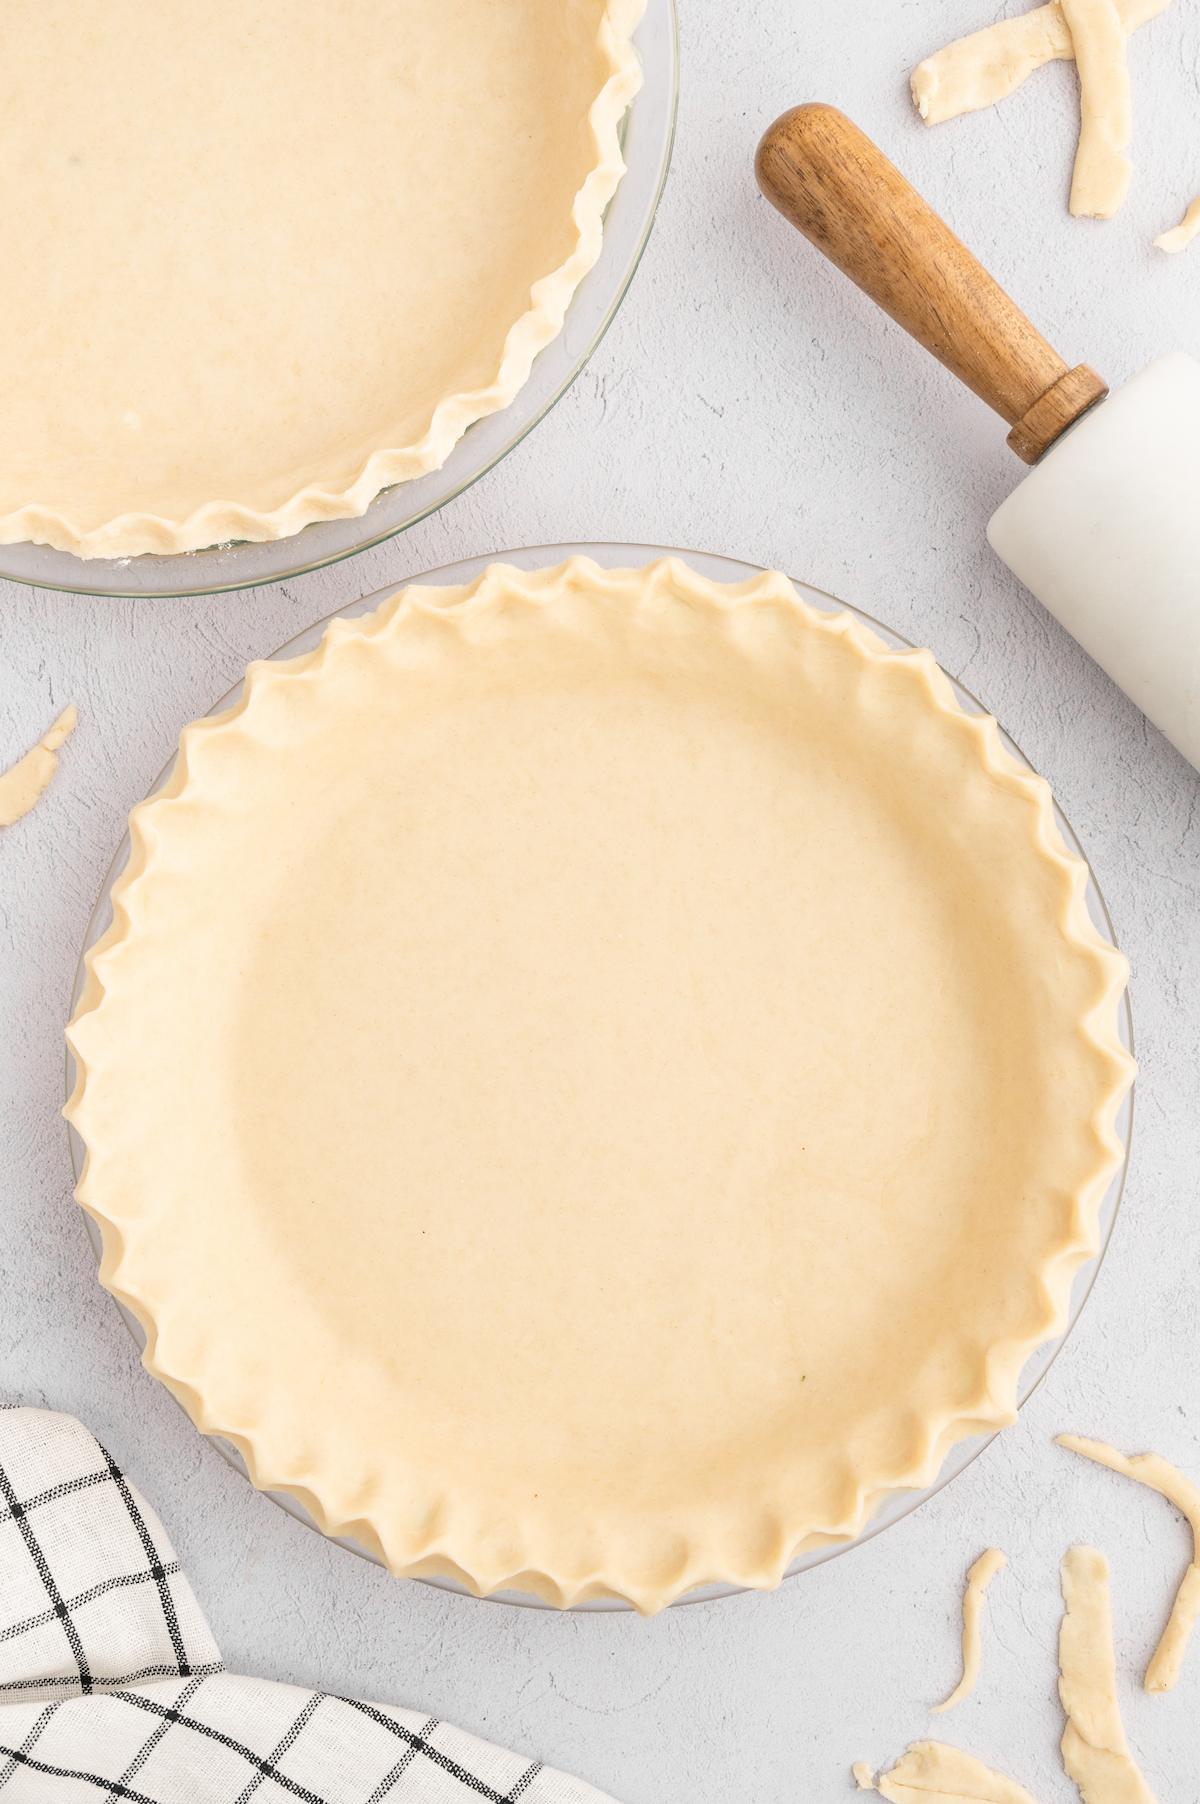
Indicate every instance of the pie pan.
{"type": "Point", "coordinates": [897, 1502]}
{"type": "Point", "coordinates": [646, 134]}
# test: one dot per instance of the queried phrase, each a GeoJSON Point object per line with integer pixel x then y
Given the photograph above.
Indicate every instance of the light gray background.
{"type": "Point", "coordinates": [745, 401]}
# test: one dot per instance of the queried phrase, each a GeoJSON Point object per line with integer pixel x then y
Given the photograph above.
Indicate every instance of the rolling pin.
{"type": "Point", "coordinates": [1105, 529]}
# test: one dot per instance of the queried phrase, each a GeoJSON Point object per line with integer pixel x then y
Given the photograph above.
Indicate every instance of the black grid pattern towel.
{"type": "Point", "coordinates": [112, 1688]}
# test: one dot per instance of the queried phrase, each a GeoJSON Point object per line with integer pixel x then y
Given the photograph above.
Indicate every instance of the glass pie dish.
{"type": "Point", "coordinates": [725, 571]}
{"type": "Point", "coordinates": [647, 134]}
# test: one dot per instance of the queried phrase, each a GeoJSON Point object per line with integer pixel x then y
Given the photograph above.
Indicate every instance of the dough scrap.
{"type": "Point", "coordinates": [1159, 1475]}
{"type": "Point", "coordinates": [1179, 237]}
{"type": "Point", "coordinates": [861, 1773]}
{"type": "Point", "coordinates": [1094, 1749]}
{"type": "Point", "coordinates": [978, 1579]}
{"type": "Point", "coordinates": [1102, 170]}
{"type": "Point", "coordinates": [955, 1776]}
{"type": "Point", "coordinates": [29, 778]}
{"type": "Point", "coordinates": [989, 65]}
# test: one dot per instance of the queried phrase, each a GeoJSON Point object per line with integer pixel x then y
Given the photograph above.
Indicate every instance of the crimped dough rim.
{"type": "Point", "coordinates": [445, 1548]}
{"type": "Point", "coordinates": [218, 522]}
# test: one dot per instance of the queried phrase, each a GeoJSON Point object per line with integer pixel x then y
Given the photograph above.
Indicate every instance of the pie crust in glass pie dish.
{"type": "Point", "coordinates": [597, 1078]}
{"type": "Point", "coordinates": [271, 260]}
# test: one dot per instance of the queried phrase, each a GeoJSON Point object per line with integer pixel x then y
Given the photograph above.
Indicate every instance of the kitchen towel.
{"type": "Point", "coordinates": [112, 1688]}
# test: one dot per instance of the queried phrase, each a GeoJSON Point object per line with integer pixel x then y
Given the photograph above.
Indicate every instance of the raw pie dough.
{"type": "Point", "coordinates": [267, 260]}
{"type": "Point", "coordinates": [935, 1769]}
{"type": "Point", "coordinates": [978, 70]}
{"type": "Point", "coordinates": [978, 1579]}
{"type": "Point", "coordinates": [596, 1078]}
{"type": "Point", "coordinates": [1159, 1475]}
{"type": "Point", "coordinates": [1094, 1749]}
{"type": "Point", "coordinates": [1179, 237]}
{"type": "Point", "coordinates": [29, 778]}
{"type": "Point", "coordinates": [989, 65]}
{"type": "Point", "coordinates": [1102, 169]}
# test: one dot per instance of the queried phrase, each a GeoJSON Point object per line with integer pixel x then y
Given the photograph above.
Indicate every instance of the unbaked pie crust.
{"type": "Point", "coordinates": [596, 1078]}
{"type": "Point", "coordinates": [265, 261]}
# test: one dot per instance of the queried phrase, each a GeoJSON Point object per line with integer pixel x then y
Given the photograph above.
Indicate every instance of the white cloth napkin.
{"type": "Point", "coordinates": [112, 1688]}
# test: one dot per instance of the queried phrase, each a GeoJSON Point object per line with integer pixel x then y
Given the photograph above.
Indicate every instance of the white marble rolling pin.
{"type": "Point", "coordinates": [1105, 529]}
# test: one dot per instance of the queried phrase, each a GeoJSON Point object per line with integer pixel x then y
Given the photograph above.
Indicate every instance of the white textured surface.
{"type": "Point", "coordinates": [747, 401]}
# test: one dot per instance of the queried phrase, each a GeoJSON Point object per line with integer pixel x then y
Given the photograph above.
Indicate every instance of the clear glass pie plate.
{"type": "Point", "coordinates": [726, 570]}
{"type": "Point", "coordinates": [647, 137]}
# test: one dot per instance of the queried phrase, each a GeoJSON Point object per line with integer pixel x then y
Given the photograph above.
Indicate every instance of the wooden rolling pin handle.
{"type": "Point", "coordinates": [840, 191]}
